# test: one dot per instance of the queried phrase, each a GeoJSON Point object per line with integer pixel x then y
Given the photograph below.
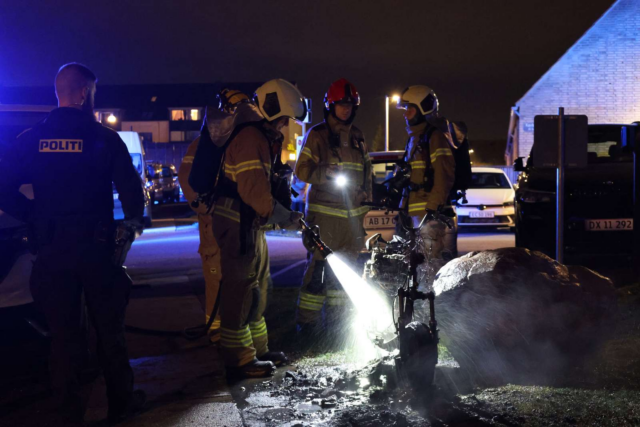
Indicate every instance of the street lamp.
{"type": "Point", "coordinates": [395, 98]}
{"type": "Point", "coordinates": [112, 119]}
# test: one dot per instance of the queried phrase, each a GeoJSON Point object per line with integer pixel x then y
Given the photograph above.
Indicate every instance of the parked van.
{"type": "Point", "coordinates": [136, 151]}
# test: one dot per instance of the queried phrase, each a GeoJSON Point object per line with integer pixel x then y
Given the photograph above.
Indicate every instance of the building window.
{"type": "Point", "coordinates": [176, 136]}
{"type": "Point", "coordinates": [195, 114]}
{"type": "Point", "coordinates": [177, 115]}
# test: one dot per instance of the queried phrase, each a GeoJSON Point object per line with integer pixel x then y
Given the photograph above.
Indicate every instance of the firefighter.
{"type": "Point", "coordinates": [72, 162]}
{"type": "Point", "coordinates": [335, 162]}
{"type": "Point", "coordinates": [208, 249]}
{"type": "Point", "coordinates": [428, 151]}
{"type": "Point", "coordinates": [244, 209]}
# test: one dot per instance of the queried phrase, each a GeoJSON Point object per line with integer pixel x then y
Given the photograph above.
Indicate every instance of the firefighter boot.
{"type": "Point", "coordinates": [254, 369]}
{"type": "Point", "coordinates": [277, 357]}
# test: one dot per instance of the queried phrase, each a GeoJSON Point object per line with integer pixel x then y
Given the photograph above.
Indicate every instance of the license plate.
{"type": "Point", "coordinates": [608, 224]}
{"type": "Point", "coordinates": [481, 214]}
{"type": "Point", "coordinates": [380, 222]}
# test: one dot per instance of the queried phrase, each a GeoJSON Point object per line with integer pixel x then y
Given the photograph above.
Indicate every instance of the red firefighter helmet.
{"type": "Point", "coordinates": [341, 91]}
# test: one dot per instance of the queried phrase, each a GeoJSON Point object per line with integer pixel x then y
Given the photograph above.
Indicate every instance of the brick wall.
{"type": "Point", "coordinates": [599, 76]}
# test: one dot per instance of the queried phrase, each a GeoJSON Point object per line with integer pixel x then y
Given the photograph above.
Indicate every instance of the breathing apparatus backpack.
{"type": "Point", "coordinates": [218, 130]}
{"type": "Point", "coordinates": [460, 148]}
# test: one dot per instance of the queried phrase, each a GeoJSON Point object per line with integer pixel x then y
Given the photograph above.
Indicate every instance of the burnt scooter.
{"type": "Point", "coordinates": [417, 342]}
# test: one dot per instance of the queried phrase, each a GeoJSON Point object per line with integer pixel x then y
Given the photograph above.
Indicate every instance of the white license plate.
{"type": "Point", "coordinates": [481, 214]}
{"type": "Point", "coordinates": [379, 222]}
{"type": "Point", "coordinates": [608, 224]}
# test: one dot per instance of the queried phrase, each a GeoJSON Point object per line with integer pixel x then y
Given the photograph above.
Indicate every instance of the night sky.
{"type": "Point", "coordinates": [480, 56]}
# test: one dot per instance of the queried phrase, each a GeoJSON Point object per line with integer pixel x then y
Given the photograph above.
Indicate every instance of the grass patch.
{"type": "Point", "coordinates": [543, 406]}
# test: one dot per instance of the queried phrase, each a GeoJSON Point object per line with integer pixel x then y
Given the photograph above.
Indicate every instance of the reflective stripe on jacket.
{"type": "Point", "coordinates": [439, 157]}
{"type": "Point", "coordinates": [324, 196]}
{"type": "Point", "coordinates": [248, 164]}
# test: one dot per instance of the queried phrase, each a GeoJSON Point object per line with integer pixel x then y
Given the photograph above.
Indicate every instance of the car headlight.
{"type": "Point", "coordinates": [537, 197]}
{"type": "Point", "coordinates": [508, 204]}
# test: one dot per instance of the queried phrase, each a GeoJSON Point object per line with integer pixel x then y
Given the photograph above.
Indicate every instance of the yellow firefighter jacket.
{"type": "Point", "coordinates": [247, 169]}
{"type": "Point", "coordinates": [435, 154]}
{"type": "Point", "coordinates": [325, 197]}
{"type": "Point", "coordinates": [208, 245]}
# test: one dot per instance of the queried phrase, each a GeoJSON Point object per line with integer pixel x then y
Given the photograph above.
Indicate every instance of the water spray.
{"type": "Point", "coordinates": [374, 315]}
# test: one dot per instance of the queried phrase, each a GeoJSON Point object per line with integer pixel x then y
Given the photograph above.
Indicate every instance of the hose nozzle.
{"type": "Point", "coordinates": [311, 239]}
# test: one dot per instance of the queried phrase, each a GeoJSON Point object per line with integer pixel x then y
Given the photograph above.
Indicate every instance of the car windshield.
{"type": "Point", "coordinates": [136, 158]}
{"type": "Point", "coordinates": [489, 180]}
{"type": "Point", "coordinates": [605, 146]}
{"type": "Point", "coordinates": [382, 171]}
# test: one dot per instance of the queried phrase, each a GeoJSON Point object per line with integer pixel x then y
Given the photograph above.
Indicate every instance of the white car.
{"type": "Point", "coordinates": [489, 200]}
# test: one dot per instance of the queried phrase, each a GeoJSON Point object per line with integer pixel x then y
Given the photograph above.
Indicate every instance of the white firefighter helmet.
{"type": "Point", "coordinates": [279, 98]}
{"type": "Point", "coordinates": [423, 97]}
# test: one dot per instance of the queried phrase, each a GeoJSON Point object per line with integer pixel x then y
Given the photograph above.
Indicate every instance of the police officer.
{"type": "Point", "coordinates": [242, 213]}
{"type": "Point", "coordinates": [335, 162]}
{"type": "Point", "coordinates": [72, 162]}
{"type": "Point", "coordinates": [428, 151]}
{"type": "Point", "coordinates": [208, 249]}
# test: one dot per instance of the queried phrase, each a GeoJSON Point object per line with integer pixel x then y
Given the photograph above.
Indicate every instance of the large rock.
{"type": "Point", "coordinates": [513, 315]}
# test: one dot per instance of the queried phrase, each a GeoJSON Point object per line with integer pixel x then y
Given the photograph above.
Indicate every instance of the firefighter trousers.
{"type": "Point", "coordinates": [434, 237]}
{"type": "Point", "coordinates": [211, 270]}
{"type": "Point", "coordinates": [320, 288]}
{"type": "Point", "coordinates": [210, 255]}
{"type": "Point", "coordinates": [245, 283]}
{"type": "Point", "coordinates": [61, 273]}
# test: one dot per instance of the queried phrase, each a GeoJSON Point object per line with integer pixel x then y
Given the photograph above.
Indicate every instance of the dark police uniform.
{"type": "Point", "coordinates": [72, 161]}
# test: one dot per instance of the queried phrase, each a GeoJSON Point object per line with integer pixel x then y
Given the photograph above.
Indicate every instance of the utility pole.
{"type": "Point", "coordinates": [386, 123]}
{"type": "Point", "coordinates": [560, 189]}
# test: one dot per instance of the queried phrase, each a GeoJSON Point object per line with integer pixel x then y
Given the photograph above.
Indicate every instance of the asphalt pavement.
{"type": "Point", "coordinates": [183, 379]}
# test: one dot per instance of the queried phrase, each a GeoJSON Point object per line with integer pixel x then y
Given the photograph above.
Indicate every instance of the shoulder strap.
{"type": "Point", "coordinates": [425, 138]}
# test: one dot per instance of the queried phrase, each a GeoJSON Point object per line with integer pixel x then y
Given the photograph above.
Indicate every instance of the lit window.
{"type": "Point", "coordinates": [292, 156]}
{"type": "Point", "coordinates": [195, 114]}
{"type": "Point", "coordinates": [97, 115]}
{"type": "Point", "coordinates": [177, 115]}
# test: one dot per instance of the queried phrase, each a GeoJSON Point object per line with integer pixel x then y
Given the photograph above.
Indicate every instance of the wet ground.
{"type": "Point", "coordinates": [324, 386]}
{"type": "Point", "coordinates": [333, 389]}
